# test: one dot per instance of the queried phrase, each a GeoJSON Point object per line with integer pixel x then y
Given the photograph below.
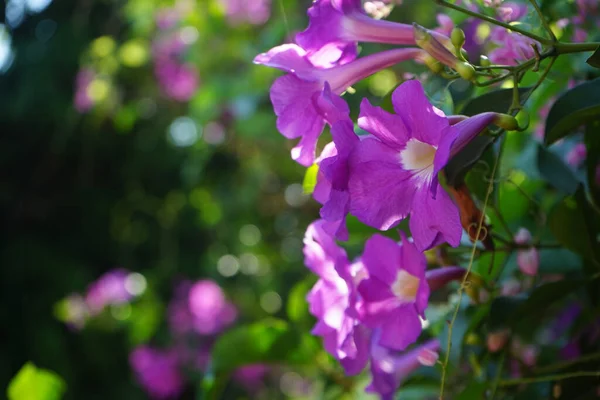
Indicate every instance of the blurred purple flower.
{"type": "Point", "coordinates": [178, 81]}
{"type": "Point", "coordinates": [255, 12]}
{"type": "Point", "coordinates": [157, 372]}
{"type": "Point", "coordinates": [109, 289]}
{"type": "Point", "coordinates": [576, 155]}
{"type": "Point", "coordinates": [251, 376]}
{"type": "Point", "coordinates": [201, 308]}
{"type": "Point", "coordinates": [82, 101]}
{"type": "Point", "coordinates": [389, 368]}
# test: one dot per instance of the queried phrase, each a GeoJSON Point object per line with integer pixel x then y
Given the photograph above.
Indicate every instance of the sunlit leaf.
{"type": "Point", "coordinates": [32, 383]}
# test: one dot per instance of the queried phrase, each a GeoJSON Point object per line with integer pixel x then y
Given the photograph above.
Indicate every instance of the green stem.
{"type": "Point", "coordinates": [543, 19]}
{"type": "Point", "coordinates": [498, 375]}
{"type": "Point", "coordinates": [558, 377]}
{"type": "Point", "coordinates": [565, 364]}
{"type": "Point", "coordinates": [567, 48]}
{"type": "Point", "coordinates": [494, 21]}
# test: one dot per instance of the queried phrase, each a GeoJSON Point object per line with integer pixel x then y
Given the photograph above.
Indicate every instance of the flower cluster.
{"type": "Point", "coordinates": [370, 310]}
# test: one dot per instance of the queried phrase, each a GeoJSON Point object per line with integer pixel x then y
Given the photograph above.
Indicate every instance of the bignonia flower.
{"type": "Point", "coordinates": [332, 296]}
{"type": "Point", "coordinates": [335, 27]}
{"type": "Point", "coordinates": [395, 293]}
{"type": "Point", "coordinates": [389, 369]}
{"type": "Point", "coordinates": [295, 96]}
{"type": "Point", "coordinates": [393, 173]}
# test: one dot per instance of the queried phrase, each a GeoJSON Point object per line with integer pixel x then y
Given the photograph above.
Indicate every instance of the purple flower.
{"type": "Point", "coordinates": [395, 293]}
{"type": "Point", "coordinates": [251, 376]}
{"type": "Point", "coordinates": [157, 372]}
{"type": "Point", "coordinates": [333, 298]}
{"type": "Point", "coordinates": [83, 102]}
{"type": "Point", "coordinates": [178, 81]}
{"type": "Point", "coordinates": [439, 277]}
{"type": "Point", "coordinates": [109, 289]}
{"type": "Point", "coordinates": [295, 96]}
{"type": "Point", "coordinates": [389, 369]}
{"type": "Point", "coordinates": [201, 308]}
{"type": "Point", "coordinates": [576, 155]}
{"type": "Point", "coordinates": [255, 12]}
{"type": "Point", "coordinates": [335, 27]}
{"type": "Point", "coordinates": [393, 173]}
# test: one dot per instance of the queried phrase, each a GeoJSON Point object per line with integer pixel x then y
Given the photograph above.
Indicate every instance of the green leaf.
{"type": "Point", "coordinates": [502, 310]}
{"type": "Point", "coordinates": [268, 341]}
{"type": "Point", "coordinates": [497, 101]}
{"type": "Point", "coordinates": [543, 296]}
{"type": "Point", "coordinates": [592, 144]}
{"type": "Point", "coordinates": [475, 390]}
{"type": "Point", "coordinates": [556, 172]}
{"type": "Point", "coordinates": [310, 179]}
{"type": "Point", "coordinates": [594, 59]}
{"type": "Point", "coordinates": [33, 383]}
{"type": "Point", "coordinates": [297, 306]}
{"type": "Point", "coordinates": [570, 222]}
{"type": "Point", "coordinates": [572, 110]}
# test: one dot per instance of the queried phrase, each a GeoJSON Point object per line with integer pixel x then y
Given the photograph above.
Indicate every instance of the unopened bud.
{"type": "Point", "coordinates": [484, 61]}
{"type": "Point", "coordinates": [507, 122]}
{"type": "Point", "coordinates": [528, 261]}
{"type": "Point", "coordinates": [434, 65]}
{"type": "Point", "coordinates": [522, 118]}
{"type": "Point", "coordinates": [426, 40]}
{"type": "Point", "coordinates": [465, 70]}
{"type": "Point", "coordinates": [458, 38]}
{"type": "Point", "coordinates": [497, 340]}
{"type": "Point", "coordinates": [523, 236]}
{"type": "Point", "coordinates": [428, 357]}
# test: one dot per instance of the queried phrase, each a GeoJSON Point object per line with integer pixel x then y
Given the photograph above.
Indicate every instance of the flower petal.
{"type": "Point", "coordinates": [387, 127]}
{"type": "Point", "coordinates": [424, 121]}
{"type": "Point", "coordinates": [434, 221]}
{"type": "Point", "coordinates": [401, 328]}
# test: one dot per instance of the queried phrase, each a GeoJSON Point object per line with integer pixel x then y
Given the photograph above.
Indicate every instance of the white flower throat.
{"type": "Point", "coordinates": [418, 157]}
{"type": "Point", "coordinates": [405, 287]}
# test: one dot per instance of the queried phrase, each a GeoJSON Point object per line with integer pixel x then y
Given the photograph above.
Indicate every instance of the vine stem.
{"type": "Point", "coordinates": [465, 278]}
{"type": "Point", "coordinates": [494, 21]}
{"type": "Point", "coordinates": [565, 364]}
{"type": "Point", "coordinates": [558, 377]}
{"type": "Point", "coordinates": [538, 10]}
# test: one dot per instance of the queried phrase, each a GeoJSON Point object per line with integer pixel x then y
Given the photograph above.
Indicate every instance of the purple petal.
{"type": "Point", "coordinates": [439, 277]}
{"type": "Point", "coordinates": [401, 328]}
{"type": "Point", "coordinates": [289, 58]}
{"type": "Point", "coordinates": [321, 253]}
{"type": "Point", "coordinates": [359, 340]}
{"type": "Point", "coordinates": [424, 121]}
{"type": "Point", "coordinates": [332, 107]}
{"type": "Point", "coordinates": [434, 221]}
{"type": "Point", "coordinates": [381, 258]}
{"type": "Point", "coordinates": [381, 192]}
{"type": "Point", "coordinates": [388, 128]}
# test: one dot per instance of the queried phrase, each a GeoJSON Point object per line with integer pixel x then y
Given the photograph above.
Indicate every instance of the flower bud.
{"type": "Point", "coordinates": [428, 357]}
{"type": "Point", "coordinates": [484, 61]}
{"type": "Point", "coordinates": [458, 38]}
{"type": "Point", "coordinates": [434, 65]}
{"type": "Point", "coordinates": [497, 340]}
{"type": "Point", "coordinates": [523, 236]}
{"type": "Point", "coordinates": [465, 70]}
{"type": "Point", "coordinates": [507, 122]}
{"type": "Point", "coordinates": [528, 261]}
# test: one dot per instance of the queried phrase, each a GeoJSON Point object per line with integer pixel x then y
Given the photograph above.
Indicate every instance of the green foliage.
{"type": "Point", "coordinates": [556, 172]}
{"type": "Point", "coordinates": [572, 110]}
{"type": "Point", "coordinates": [594, 59]}
{"type": "Point", "coordinates": [33, 383]}
{"type": "Point", "coordinates": [268, 341]}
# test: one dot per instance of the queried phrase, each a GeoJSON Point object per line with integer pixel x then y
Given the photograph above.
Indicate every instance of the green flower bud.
{"type": "Point", "coordinates": [458, 38]}
{"type": "Point", "coordinates": [484, 61]}
{"type": "Point", "coordinates": [465, 70]}
{"type": "Point", "coordinates": [507, 122]}
{"type": "Point", "coordinates": [522, 118]}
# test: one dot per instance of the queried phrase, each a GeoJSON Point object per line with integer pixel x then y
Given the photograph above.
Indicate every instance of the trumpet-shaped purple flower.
{"type": "Point", "coordinates": [389, 369]}
{"type": "Point", "coordinates": [393, 173]}
{"type": "Point", "coordinates": [296, 96]}
{"type": "Point", "coordinates": [158, 372]}
{"type": "Point", "coordinates": [335, 27]}
{"type": "Point", "coordinates": [331, 298]}
{"type": "Point", "coordinates": [395, 293]}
